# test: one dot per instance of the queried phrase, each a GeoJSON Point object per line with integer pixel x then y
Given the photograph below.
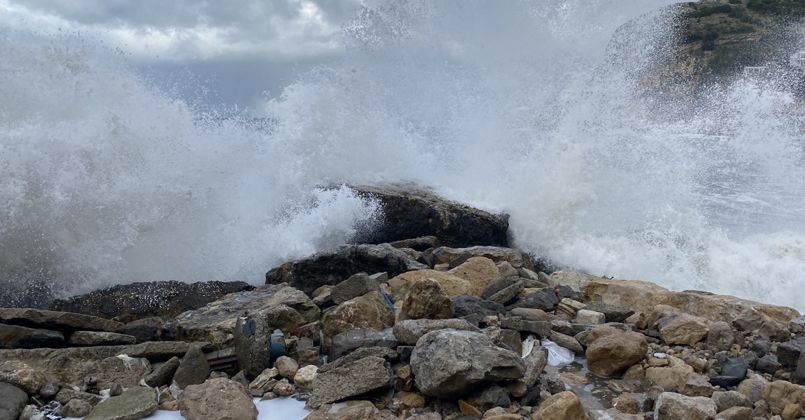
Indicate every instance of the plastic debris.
{"type": "Point", "coordinates": [558, 355]}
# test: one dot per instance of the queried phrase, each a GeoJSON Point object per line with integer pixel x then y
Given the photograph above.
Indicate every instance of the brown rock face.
{"type": "Point", "coordinates": [452, 285]}
{"type": "Point", "coordinates": [426, 299]}
{"type": "Point", "coordinates": [349, 380]}
{"type": "Point", "coordinates": [217, 399]}
{"type": "Point", "coordinates": [644, 297]}
{"type": "Point", "coordinates": [369, 311]}
{"type": "Point", "coordinates": [562, 406]}
{"type": "Point", "coordinates": [779, 394]}
{"type": "Point", "coordinates": [613, 353]}
{"type": "Point", "coordinates": [479, 271]}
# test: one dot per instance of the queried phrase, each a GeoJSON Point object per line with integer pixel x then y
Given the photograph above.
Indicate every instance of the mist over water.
{"type": "Point", "coordinates": [529, 108]}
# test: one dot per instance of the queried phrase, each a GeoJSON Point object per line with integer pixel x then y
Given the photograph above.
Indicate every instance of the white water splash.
{"type": "Point", "coordinates": [518, 107]}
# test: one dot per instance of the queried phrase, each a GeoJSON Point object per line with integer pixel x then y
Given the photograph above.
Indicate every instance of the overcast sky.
{"type": "Point", "coordinates": [236, 47]}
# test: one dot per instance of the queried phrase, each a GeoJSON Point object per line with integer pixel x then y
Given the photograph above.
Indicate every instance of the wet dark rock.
{"type": "Point", "coordinates": [350, 340]}
{"type": "Point", "coordinates": [253, 342]}
{"type": "Point", "coordinates": [471, 305]}
{"type": "Point", "coordinates": [768, 364]}
{"type": "Point", "coordinates": [447, 363]}
{"type": "Point", "coordinates": [411, 211]}
{"type": "Point", "coordinates": [17, 337]}
{"type": "Point", "coordinates": [545, 299]}
{"type": "Point", "coordinates": [799, 373]}
{"type": "Point", "coordinates": [733, 371]}
{"type": "Point", "coordinates": [140, 300]}
{"type": "Point", "coordinates": [56, 320]}
{"type": "Point", "coordinates": [330, 268]}
{"type": "Point", "coordinates": [788, 353]}
{"type": "Point", "coordinates": [761, 345]}
{"type": "Point", "coordinates": [12, 402]}
{"type": "Point", "coordinates": [147, 329]}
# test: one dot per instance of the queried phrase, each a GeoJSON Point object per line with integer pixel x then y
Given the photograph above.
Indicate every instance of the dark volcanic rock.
{"type": "Point", "coordinates": [140, 300]}
{"type": "Point", "coordinates": [410, 211]}
{"type": "Point", "coordinates": [788, 353]}
{"type": "Point", "coordinates": [545, 299]}
{"type": "Point", "coordinates": [733, 371]}
{"type": "Point", "coordinates": [330, 268]}
{"type": "Point", "coordinates": [16, 337]}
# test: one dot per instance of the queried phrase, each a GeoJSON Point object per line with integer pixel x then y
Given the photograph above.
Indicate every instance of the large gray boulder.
{"type": "Point", "coordinates": [330, 268]}
{"type": "Point", "coordinates": [673, 406]}
{"type": "Point", "coordinates": [340, 381]}
{"type": "Point", "coordinates": [447, 363]}
{"type": "Point", "coordinates": [411, 211]}
{"type": "Point", "coordinates": [410, 330]}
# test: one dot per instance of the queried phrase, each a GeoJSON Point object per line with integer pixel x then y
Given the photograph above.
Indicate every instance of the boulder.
{"type": "Point", "coordinates": [66, 394]}
{"type": "Point", "coordinates": [163, 373]}
{"type": "Point", "coordinates": [12, 402]}
{"type": "Point", "coordinates": [447, 363]}
{"type": "Point", "coordinates": [305, 376]}
{"type": "Point", "coordinates": [779, 394]}
{"type": "Point", "coordinates": [134, 403]}
{"type": "Point", "coordinates": [150, 329]}
{"type": "Point", "coordinates": [253, 338]}
{"type": "Point", "coordinates": [351, 410]}
{"type": "Point", "coordinates": [425, 299]}
{"type": "Point", "coordinates": [217, 399]}
{"type": "Point", "coordinates": [728, 399]}
{"type": "Point", "coordinates": [673, 377]}
{"type": "Point", "coordinates": [733, 371]}
{"type": "Point", "coordinates": [348, 341]}
{"type": "Point", "coordinates": [411, 211]}
{"type": "Point", "coordinates": [129, 302]}
{"type": "Point", "coordinates": [789, 352]}
{"type": "Point", "coordinates": [420, 244]}
{"type": "Point", "coordinates": [17, 337]}
{"type": "Point", "coordinates": [672, 406]}
{"type": "Point", "coordinates": [562, 406]}
{"type": "Point", "coordinates": [356, 285]}
{"type": "Point", "coordinates": [215, 322]}
{"type": "Point", "coordinates": [682, 329]}
{"type": "Point", "coordinates": [100, 338]}
{"type": "Point", "coordinates": [735, 413]}
{"type": "Point", "coordinates": [370, 311]}
{"type": "Point", "coordinates": [479, 271]}
{"type": "Point", "coordinates": [588, 317]}
{"type": "Point", "coordinates": [193, 368]}
{"type": "Point", "coordinates": [61, 321]}
{"type": "Point", "coordinates": [643, 297]}
{"type": "Point", "coordinates": [452, 285]}
{"type": "Point", "coordinates": [330, 268]}
{"type": "Point", "coordinates": [346, 380]}
{"type": "Point", "coordinates": [455, 256]}
{"type": "Point", "coordinates": [753, 387]}
{"type": "Point", "coordinates": [535, 362]}
{"type": "Point", "coordinates": [611, 354]}
{"type": "Point", "coordinates": [566, 341]}
{"type": "Point", "coordinates": [576, 280]}
{"type": "Point", "coordinates": [286, 366]}
{"type": "Point", "coordinates": [410, 330]}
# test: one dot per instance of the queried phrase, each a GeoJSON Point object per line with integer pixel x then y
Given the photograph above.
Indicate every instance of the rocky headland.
{"type": "Point", "coordinates": [431, 314]}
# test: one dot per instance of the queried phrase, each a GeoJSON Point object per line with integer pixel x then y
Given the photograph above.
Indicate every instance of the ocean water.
{"type": "Point", "coordinates": [521, 107]}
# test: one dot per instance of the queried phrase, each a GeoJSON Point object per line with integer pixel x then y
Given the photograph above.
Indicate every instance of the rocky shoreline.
{"type": "Point", "coordinates": [431, 315]}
